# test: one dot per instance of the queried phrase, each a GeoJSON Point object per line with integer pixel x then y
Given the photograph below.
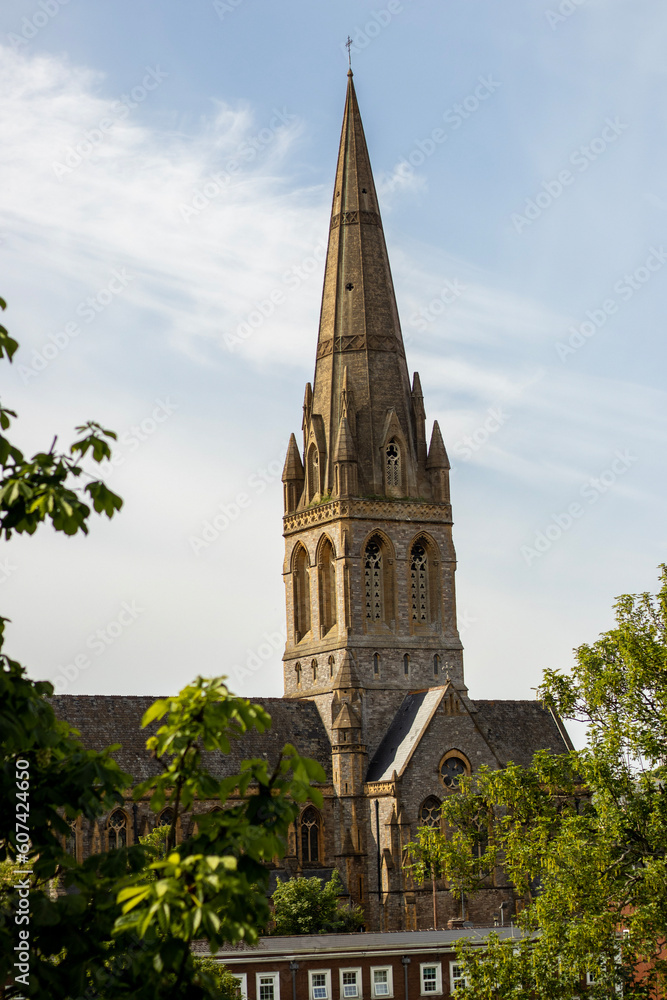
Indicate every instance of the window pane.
{"type": "Point", "coordinates": [350, 984]}
{"type": "Point", "coordinates": [266, 991]}
{"type": "Point", "coordinates": [381, 982]}
{"type": "Point", "coordinates": [319, 984]}
{"type": "Point", "coordinates": [430, 979]}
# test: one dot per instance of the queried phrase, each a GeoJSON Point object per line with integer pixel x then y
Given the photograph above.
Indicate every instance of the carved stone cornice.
{"type": "Point", "coordinates": [368, 510]}
{"type": "Point", "coordinates": [354, 218]}
{"type": "Point", "coordinates": [358, 342]}
{"type": "Point", "coordinates": [379, 788]}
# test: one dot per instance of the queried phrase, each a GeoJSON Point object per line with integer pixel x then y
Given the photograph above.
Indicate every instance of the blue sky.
{"type": "Point", "coordinates": [519, 153]}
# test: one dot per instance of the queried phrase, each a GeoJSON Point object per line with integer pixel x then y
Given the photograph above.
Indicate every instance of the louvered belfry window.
{"type": "Point", "coordinates": [419, 584]}
{"type": "Point", "coordinates": [373, 575]}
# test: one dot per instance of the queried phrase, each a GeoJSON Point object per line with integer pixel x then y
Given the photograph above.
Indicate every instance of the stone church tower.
{"type": "Point", "coordinates": [369, 559]}
{"type": "Point", "coordinates": [374, 687]}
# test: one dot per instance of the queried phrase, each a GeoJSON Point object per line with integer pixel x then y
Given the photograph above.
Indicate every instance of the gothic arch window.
{"type": "Point", "coordinates": [429, 813]}
{"type": "Point", "coordinates": [71, 839]}
{"type": "Point", "coordinates": [297, 671]}
{"type": "Point", "coordinates": [310, 836]}
{"type": "Point", "coordinates": [436, 665]}
{"type": "Point", "coordinates": [376, 664]}
{"type": "Point", "coordinates": [406, 664]}
{"type": "Point", "coordinates": [313, 667]}
{"type": "Point", "coordinates": [392, 468]}
{"type": "Point", "coordinates": [332, 663]}
{"type": "Point", "coordinates": [313, 472]}
{"type": "Point", "coordinates": [166, 817]}
{"type": "Point", "coordinates": [326, 568]}
{"type": "Point", "coordinates": [419, 596]}
{"type": "Point", "coordinates": [301, 579]}
{"type": "Point", "coordinates": [117, 830]}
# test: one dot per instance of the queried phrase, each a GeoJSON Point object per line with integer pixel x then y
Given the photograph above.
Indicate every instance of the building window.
{"type": "Point", "coordinates": [242, 980]}
{"type": "Point", "coordinates": [429, 814]}
{"type": "Point", "coordinates": [382, 981]}
{"type": "Point", "coordinates": [301, 594]}
{"type": "Point", "coordinates": [456, 977]}
{"type": "Point", "coordinates": [313, 472]}
{"type": "Point", "coordinates": [332, 663]}
{"type": "Point", "coordinates": [268, 986]}
{"type": "Point", "coordinates": [327, 580]}
{"type": "Point", "coordinates": [310, 836]}
{"type": "Point", "coordinates": [376, 664]}
{"type": "Point", "coordinates": [374, 582]}
{"type": "Point", "coordinates": [393, 467]}
{"type": "Point", "coordinates": [320, 984]}
{"type": "Point", "coordinates": [406, 664]}
{"type": "Point", "coordinates": [419, 584]}
{"type": "Point", "coordinates": [297, 671]}
{"type": "Point", "coordinates": [350, 983]}
{"type": "Point", "coordinates": [431, 978]}
{"type": "Point", "coordinates": [436, 665]}
{"type": "Point", "coordinates": [166, 817]}
{"type": "Point", "coordinates": [452, 768]}
{"type": "Point", "coordinates": [117, 830]}
{"type": "Point", "coordinates": [313, 666]}
{"type": "Point", "coordinates": [71, 841]}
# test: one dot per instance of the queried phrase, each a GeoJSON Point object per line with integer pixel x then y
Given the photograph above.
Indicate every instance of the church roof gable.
{"type": "Point", "coordinates": [404, 734]}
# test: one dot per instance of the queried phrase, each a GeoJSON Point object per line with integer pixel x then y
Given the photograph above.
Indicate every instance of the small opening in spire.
{"type": "Point", "coordinates": [363, 191]}
{"type": "Point", "coordinates": [349, 286]}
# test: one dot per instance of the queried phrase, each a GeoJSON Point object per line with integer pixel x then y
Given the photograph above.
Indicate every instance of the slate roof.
{"type": "Point", "coordinates": [106, 719]}
{"type": "Point", "coordinates": [404, 733]}
{"type": "Point", "coordinates": [516, 730]}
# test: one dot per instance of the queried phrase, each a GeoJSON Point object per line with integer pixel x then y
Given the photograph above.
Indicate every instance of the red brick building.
{"type": "Point", "coordinates": [398, 966]}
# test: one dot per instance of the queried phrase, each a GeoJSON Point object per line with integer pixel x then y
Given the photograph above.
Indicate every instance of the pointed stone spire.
{"type": "Point", "coordinates": [359, 324]}
{"type": "Point", "coordinates": [293, 476]}
{"type": "Point", "coordinates": [346, 679]}
{"type": "Point", "coordinates": [438, 466]}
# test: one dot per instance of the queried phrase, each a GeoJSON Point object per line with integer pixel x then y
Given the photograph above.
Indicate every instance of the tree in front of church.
{"type": "Point", "coordinates": [311, 906]}
{"type": "Point", "coordinates": [126, 920]}
{"type": "Point", "coordinates": [582, 836]}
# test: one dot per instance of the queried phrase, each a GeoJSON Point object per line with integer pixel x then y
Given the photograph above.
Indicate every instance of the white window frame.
{"type": "Point", "coordinates": [319, 972]}
{"type": "Point", "coordinates": [360, 991]}
{"type": "Point", "coordinates": [454, 980]}
{"type": "Point", "coordinates": [390, 980]}
{"type": "Point", "coordinates": [275, 976]}
{"type": "Point", "coordinates": [243, 982]}
{"type": "Point", "coordinates": [438, 979]}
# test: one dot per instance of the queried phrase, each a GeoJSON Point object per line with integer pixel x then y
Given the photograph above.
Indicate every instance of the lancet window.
{"type": "Point", "coordinates": [327, 581]}
{"type": "Point", "coordinates": [436, 665]}
{"type": "Point", "coordinates": [313, 667]}
{"type": "Point", "coordinates": [117, 829]}
{"type": "Point", "coordinates": [419, 584]}
{"type": "Point", "coordinates": [332, 663]}
{"type": "Point", "coordinates": [301, 594]}
{"type": "Point", "coordinates": [392, 467]}
{"type": "Point", "coordinates": [313, 472]}
{"type": "Point", "coordinates": [310, 836]}
{"type": "Point", "coordinates": [373, 571]}
{"type": "Point", "coordinates": [376, 664]}
{"type": "Point", "coordinates": [406, 664]}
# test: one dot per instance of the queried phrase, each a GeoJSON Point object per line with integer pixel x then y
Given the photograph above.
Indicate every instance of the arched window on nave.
{"type": "Point", "coordinates": [310, 836]}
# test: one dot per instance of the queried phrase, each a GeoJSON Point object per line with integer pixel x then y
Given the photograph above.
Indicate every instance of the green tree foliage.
{"type": "Point", "coordinates": [310, 906]}
{"type": "Point", "coordinates": [126, 921]}
{"type": "Point", "coordinates": [582, 836]}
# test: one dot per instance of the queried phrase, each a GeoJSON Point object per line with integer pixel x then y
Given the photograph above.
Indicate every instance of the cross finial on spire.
{"type": "Point", "coordinates": [348, 46]}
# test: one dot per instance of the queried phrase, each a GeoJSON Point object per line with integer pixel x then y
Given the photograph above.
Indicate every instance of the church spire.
{"type": "Point", "coordinates": [359, 325]}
